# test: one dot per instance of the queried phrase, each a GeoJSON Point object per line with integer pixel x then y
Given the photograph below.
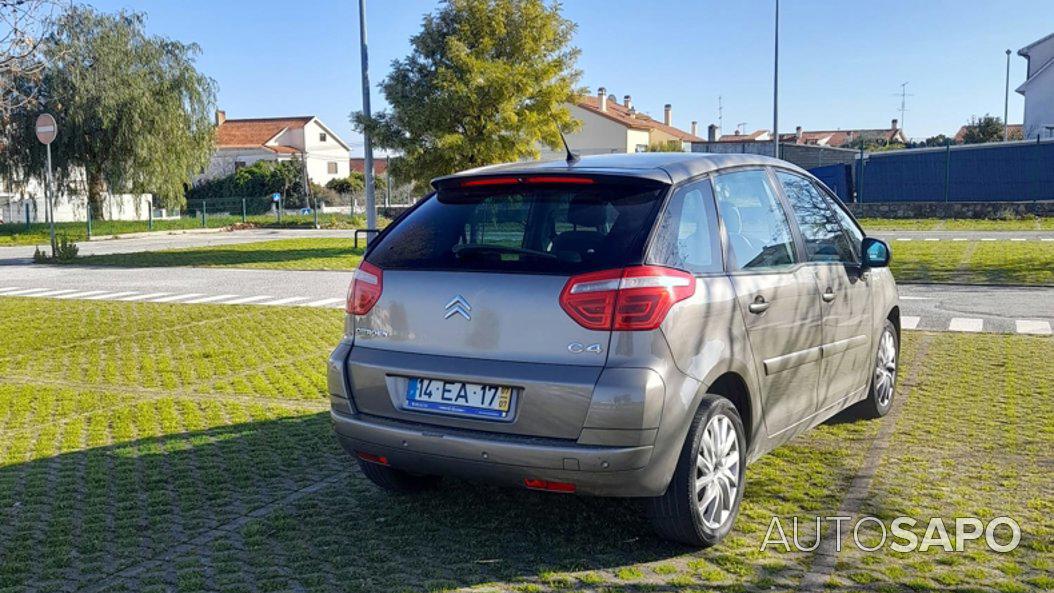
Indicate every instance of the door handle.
{"type": "Point", "coordinates": [759, 305]}
{"type": "Point", "coordinates": [828, 295]}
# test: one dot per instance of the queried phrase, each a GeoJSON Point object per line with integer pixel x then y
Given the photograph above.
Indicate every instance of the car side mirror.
{"type": "Point", "coordinates": [876, 253]}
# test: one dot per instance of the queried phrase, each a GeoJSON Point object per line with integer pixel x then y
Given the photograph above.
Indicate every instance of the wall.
{"type": "Point", "coordinates": [1039, 104]}
{"type": "Point", "coordinates": [223, 161]}
{"type": "Point", "coordinates": [806, 156]}
{"type": "Point", "coordinates": [74, 209]}
{"type": "Point", "coordinates": [320, 154]}
{"type": "Point", "coordinates": [951, 209]}
{"type": "Point", "coordinates": [600, 135]}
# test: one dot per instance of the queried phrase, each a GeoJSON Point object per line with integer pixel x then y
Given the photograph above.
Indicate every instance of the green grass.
{"type": "Point", "coordinates": [319, 253]}
{"type": "Point", "coordinates": [197, 437]}
{"type": "Point", "coordinates": [14, 233]}
{"type": "Point", "coordinates": [957, 224]}
{"type": "Point", "coordinates": [974, 262]}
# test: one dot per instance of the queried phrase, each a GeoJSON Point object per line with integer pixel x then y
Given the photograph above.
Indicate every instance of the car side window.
{"type": "Point", "coordinates": [759, 235]}
{"type": "Point", "coordinates": [686, 237]}
{"type": "Point", "coordinates": [820, 228]}
{"type": "Point", "coordinates": [851, 228]}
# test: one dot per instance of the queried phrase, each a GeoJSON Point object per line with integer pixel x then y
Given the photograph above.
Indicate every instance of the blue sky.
{"type": "Point", "coordinates": [841, 63]}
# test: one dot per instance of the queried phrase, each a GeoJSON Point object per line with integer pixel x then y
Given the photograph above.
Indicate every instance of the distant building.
{"type": "Point", "coordinates": [1038, 88]}
{"type": "Point", "coordinates": [242, 142]}
{"type": "Point", "coordinates": [612, 127]}
{"type": "Point", "coordinates": [1014, 132]}
{"type": "Point", "coordinates": [380, 165]}
{"type": "Point", "coordinates": [827, 138]}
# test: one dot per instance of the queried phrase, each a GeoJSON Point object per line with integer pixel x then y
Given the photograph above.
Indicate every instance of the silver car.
{"type": "Point", "coordinates": [638, 325]}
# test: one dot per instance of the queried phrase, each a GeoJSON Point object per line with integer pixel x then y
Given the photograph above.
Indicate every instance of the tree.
{"type": "Point", "coordinates": [23, 25]}
{"type": "Point", "coordinates": [486, 81]}
{"type": "Point", "coordinates": [986, 129]}
{"type": "Point", "coordinates": [353, 183]}
{"type": "Point", "coordinates": [133, 112]}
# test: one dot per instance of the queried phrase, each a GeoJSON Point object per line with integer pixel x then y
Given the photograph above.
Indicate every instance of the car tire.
{"type": "Point", "coordinates": [883, 384]}
{"type": "Point", "coordinates": [679, 514]}
{"type": "Point", "coordinates": [397, 480]}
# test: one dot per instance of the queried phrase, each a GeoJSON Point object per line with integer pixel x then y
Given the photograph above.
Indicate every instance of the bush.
{"type": "Point", "coordinates": [65, 251]}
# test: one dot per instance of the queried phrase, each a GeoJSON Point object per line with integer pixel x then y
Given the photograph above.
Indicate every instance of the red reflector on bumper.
{"type": "Point", "coordinates": [535, 484]}
{"type": "Point", "coordinates": [372, 458]}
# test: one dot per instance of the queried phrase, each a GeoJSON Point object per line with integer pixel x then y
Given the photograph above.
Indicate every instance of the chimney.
{"type": "Point", "coordinates": [797, 135]}
{"type": "Point", "coordinates": [667, 114]}
{"type": "Point", "coordinates": [628, 102]}
{"type": "Point", "coordinates": [602, 98]}
{"type": "Point", "coordinates": [896, 124]}
{"type": "Point", "coordinates": [695, 126]}
{"type": "Point", "coordinates": [221, 116]}
{"type": "Point", "coordinates": [711, 133]}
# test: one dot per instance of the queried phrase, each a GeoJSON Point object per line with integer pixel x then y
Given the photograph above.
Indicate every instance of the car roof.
{"type": "Point", "coordinates": [665, 167]}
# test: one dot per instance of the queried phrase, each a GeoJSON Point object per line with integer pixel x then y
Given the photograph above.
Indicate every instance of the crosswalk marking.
{"type": "Point", "coordinates": [83, 293]}
{"type": "Point", "coordinates": [52, 293]}
{"type": "Point", "coordinates": [246, 300]}
{"type": "Point", "coordinates": [285, 301]}
{"type": "Point", "coordinates": [211, 299]}
{"type": "Point", "coordinates": [323, 302]}
{"type": "Point", "coordinates": [7, 289]}
{"type": "Point", "coordinates": [909, 322]}
{"type": "Point", "coordinates": [1030, 326]}
{"type": "Point", "coordinates": [965, 324]}
{"type": "Point", "coordinates": [140, 297]}
{"type": "Point", "coordinates": [110, 295]}
{"type": "Point", "coordinates": [1047, 239]}
{"type": "Point", "coordinates": [177, 297]}
{"type": "Point", "coordinates": [25, 291]}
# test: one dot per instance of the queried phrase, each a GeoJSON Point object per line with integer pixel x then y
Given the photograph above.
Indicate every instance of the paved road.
{"type": "Point", "coordinates": [929, 307]}
{"type": "Point", "coordinates": [159, 241]}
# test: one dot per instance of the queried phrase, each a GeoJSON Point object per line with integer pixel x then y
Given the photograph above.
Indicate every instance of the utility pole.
{"type": "Point", "coordinates": [388, 180]}
{"type": "Point", "coordinates": [776, 87]}
{"type": "Point", "coordinates": [1006, 101]}
{"type": "Point", "coordinates": [367, 161]}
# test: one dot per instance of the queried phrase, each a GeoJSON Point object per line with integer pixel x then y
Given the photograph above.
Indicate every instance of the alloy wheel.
{"type": "Point", "coordinates": [717, 472]}
{"type": "Point", "coordinates": [885, 369]}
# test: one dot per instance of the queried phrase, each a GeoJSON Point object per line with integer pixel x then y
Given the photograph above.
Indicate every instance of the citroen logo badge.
{"type": "Point", "coordinates": [458, 306]}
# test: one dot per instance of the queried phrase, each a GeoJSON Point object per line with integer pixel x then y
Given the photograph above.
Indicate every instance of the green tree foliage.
{"type": "Point", "coordinates": [353, 183]}
{"type": "Point", "coordinates": [132, 110]}
{"type": "Point", "coordinates": [667, 146]}
{"type": "Point", "coordinates": [486, 81]}
{"type": "Point", "coordinates": [987, 129]}
{"type": "Point", "coordinates": [261, 178]}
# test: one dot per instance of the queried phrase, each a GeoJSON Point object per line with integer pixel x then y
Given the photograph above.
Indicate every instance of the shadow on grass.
{"type": "Point", "coordinates": [75, 519]}
{"type": "Point", "coordinates": [330, 257]}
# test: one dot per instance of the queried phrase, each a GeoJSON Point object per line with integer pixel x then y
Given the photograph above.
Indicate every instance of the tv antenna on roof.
{"type": "Point", "coordinates": [903, 94]}
{"type": "Point", "coordinates": [572, 158]}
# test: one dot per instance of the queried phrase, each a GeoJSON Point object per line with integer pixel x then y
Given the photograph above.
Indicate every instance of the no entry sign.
{"type": "Point", "coordinates": [47, 129]}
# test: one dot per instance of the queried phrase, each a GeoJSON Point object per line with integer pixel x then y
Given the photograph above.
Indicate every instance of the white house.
{"type": "Point", "coordinates": [242, 142]}
{"type": "Point", "coordinates": [1038, 88]}
{"type": "Point", "coordinates": [611, 127]}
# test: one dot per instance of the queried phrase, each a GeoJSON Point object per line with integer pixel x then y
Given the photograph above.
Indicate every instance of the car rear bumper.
{"type": "Point", "coordinates": [501, 459]}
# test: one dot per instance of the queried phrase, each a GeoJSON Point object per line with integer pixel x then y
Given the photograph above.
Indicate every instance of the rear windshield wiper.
{"type": "Point", "coordinates": [472, 250]}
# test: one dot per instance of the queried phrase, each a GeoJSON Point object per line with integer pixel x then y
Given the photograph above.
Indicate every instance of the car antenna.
{"type": "Point", "coordinates": [572, 158]}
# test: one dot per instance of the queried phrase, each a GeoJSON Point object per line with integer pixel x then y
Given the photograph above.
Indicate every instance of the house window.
{"type": "Point", "coordinates": [238, 165]}
{"type": "Point", "coordinates": [331, 168]}
{"type": "Point", "coordinates": [322, 137]}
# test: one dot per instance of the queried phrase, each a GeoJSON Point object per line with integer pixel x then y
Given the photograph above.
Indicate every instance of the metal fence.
{"type": "Point", "coordinates": [996, 172]}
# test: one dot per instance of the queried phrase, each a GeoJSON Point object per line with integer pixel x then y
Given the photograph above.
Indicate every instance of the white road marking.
{"type": "Point", "coordinates": [1046, 239]}
{"type": "Point", "coordinates": [1030, 326]}
{"type": "Point", "coordinates": [53, 293]}
{"type": "Point", "coordinates": [285, 301]}
{"type": "Point", "coordinates": [966, 324]}
{"type": "Point", "coordinates": [84, 293]}
{"type": "Point", "coordinates": [904, 239]}
{"type": "Point", "coordinates": [909, 322]}
{"type": "Point", "coordinates": [915, 298]}
{"type": "Point", "coordinates": [1017, 238]}
{"type": "Point", "coordinates": [323, 302]}
{"type": "Point", "coordinates": [211, 299]}
{"type": "Point", "coordinates": [111, 295]}
{"type": "Point", "coordinates": [177, 297]}
{"type": "Point", "coordinates": [246, 300]}
{"type": "Point", "coordinates": [932, 239]}
{"type": "Point", "coordinates": [988, 238]}
{"type": "Point", "coordinates": [149, 295]}
{"type": "Point", "coordinates": [959, 239]}
{"type": "Point", "coordinates": [9, 289]}
{"type": "Point", "coordinates": [26, 291]}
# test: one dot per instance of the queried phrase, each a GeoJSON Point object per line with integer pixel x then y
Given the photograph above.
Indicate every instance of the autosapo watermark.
{"type": "Point", "coordinates": [870, 534]}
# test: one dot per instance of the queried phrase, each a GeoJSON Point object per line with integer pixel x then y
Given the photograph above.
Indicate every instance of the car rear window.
{"type": "Point", "coordinates": [544, 228]}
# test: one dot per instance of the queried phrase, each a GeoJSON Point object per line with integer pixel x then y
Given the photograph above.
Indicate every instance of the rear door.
{"type": "Point", "coordinates": [844, 292]}
{"type": "Point", "coordinates": [471, 285]}
{"type": "Point", "coordinates": [778, 299]}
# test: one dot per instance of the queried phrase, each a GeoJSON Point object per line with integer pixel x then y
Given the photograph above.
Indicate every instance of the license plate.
{"type": "Point", "coordinates": [455, 397]}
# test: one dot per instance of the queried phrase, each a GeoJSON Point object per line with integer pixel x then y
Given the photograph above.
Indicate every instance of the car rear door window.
{"type": "Point", "coordinates": [686, 236]}
{"type": "Point", "coordinates": [821, 230]}
{"type": "Point", "coordinates": [759, 235]}
{"type": "Point", "coordinates": [550, 228]}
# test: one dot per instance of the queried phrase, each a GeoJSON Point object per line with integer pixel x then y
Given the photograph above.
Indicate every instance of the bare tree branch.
{"type": "Point", "coordinates": [24, 24]}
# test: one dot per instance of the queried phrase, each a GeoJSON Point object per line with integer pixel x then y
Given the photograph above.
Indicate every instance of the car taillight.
{"type": "Point", "coordinates": [366, 285]}
{"type": "Point", "coordinates": [629, 299]}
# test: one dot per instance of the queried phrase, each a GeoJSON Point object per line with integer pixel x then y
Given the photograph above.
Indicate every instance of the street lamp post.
{"type": "Point", "coordinates": [776, 87]}
{"type": "Point", "coordinates": [1006, 100]}
{"type": "Point", "coordinates": [367, 161]}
